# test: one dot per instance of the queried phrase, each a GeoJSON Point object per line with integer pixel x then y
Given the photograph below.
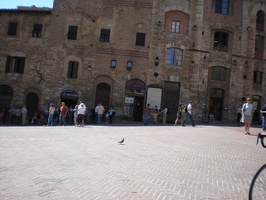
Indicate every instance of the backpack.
{"type": "Point", "coordinates": [185, 109]}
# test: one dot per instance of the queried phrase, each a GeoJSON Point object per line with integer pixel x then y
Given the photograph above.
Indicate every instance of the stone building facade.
{"type": "Point", "coordinates": [126, 54]}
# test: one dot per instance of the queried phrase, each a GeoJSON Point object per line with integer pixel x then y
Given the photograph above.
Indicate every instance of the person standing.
{"type": "Point", "coordinates": [63, 112]}
{"type": "Point", "coordinates": [189, 114]}
{"type": "Point", "coordinates": [51, 111]}
{"type": "Point", "coordinates": [81, 114]}
{"type": "Point", "coordinates": [263, 117]}
{"type": "Point", "coordinates": [111, 114]}
{"type": "Point", "coordinates": [100, 112]}
{"type": "Point", "coordinates": [146, 114]}
{"type": "Point", "coordinates": [247, 112]}
{"type": "Point", "coordinates": [96, 113]}
{"type": "Point", "coordinates": [164, 113]}
{"type": "Point", "coordinates": [39, 114]}
{"type": "Point", "coordinates": [75, 114]}
{"type": "Point", "coordinates": [24, 112]}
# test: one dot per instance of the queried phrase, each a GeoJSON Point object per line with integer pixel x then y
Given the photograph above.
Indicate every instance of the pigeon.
{"type": "Point", "coordinates": [122, 141]}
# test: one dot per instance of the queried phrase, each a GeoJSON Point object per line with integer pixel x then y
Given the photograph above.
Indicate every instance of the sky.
{"type": "Point", "coordinates": [5, 4]}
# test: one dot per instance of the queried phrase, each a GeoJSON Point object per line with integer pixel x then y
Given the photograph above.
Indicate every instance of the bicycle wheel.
{"type": "Point", "coordinates": [257, 190]}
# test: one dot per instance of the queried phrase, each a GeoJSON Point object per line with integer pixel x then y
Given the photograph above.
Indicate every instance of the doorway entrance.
{"type": "Point", "coordinates": [103, 96]}
{"type": "Point", "coordinates": [70, 98]}
{"type": "Point", "coordinates": [171, 92]}
{"type": "Point", "coordinates": [135, 89]}
{"type": "Point", "coordinates": [32, 102]}
{"type": "Point", "coordinates": [6, 95]}
{"type": "Point", "coordinates": [216, 103]}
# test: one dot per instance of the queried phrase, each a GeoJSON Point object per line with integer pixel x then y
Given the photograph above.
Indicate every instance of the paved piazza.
{"type": "Point", "coordinates": [155, 162]}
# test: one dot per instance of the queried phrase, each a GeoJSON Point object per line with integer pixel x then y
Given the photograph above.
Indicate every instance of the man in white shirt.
{"type": "Point", "coordinates": [189, 114]}
{"type": "Point", "coordinates": [81, 113]}
{"type": "Point", "coordinates": [100, 112]}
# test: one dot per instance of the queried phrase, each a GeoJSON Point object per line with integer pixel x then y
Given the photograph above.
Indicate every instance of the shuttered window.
{"type": "Point", "coordinates": [15, 64]}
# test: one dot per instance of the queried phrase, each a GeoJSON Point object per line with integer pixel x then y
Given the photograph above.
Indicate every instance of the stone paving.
{"type": "Point", "coordinates": [155, 162]}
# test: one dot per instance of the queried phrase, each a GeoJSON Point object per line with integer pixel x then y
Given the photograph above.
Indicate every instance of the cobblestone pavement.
{"type": "Point", "coordinates": [155, 162]}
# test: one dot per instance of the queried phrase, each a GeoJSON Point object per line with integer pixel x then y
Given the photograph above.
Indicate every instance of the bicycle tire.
{"type": "Point", "coordinates": [257, 190]}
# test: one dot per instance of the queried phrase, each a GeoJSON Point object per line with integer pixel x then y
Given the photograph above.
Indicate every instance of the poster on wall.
{"type": "Point", "coordinates": [154, 97]}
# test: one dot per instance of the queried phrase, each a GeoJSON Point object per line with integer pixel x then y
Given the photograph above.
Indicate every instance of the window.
{"type": "Point", "coordinates": [113, 63]}
{"type": "Point", "coordinates": [105, 35]}
{"type": "Point", "coordinates": [220, 41]}
{"type": "Point", "coordinates": [140, 39]}
{"type": "Point", "coordinates": [257, 77]}
{"type": "Point", "coordinates": [15, 64]}
{"type": "Point", "coordinates": [12, 28]}
{"type": "Point", "coordinates": [72, 69]}
{"type": "Point", "coordinates": [222, 7]}
{"type": "Point", "coordinates": [218, 74]}
{"type": "Point", "coordinates": [129, 65]}
{"type": "Point", "coordinates": [37, 30]}
{"type": "Point", "coordinates": [259, 47]}
{"type": "Point", "coordinates": [174, 56]}
{"type": "Point", "coordinates": [72, 32]}
{"type": "Point", "coordinates": [175, 27]}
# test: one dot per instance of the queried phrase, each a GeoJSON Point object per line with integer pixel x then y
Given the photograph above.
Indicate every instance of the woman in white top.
{"type": "Point", "coordinates": [247, 112]}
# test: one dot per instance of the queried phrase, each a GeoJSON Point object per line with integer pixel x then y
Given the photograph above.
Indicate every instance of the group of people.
{"type": "Point", "coordinates": [17, 115]}
{"type": "Point", "coordinates": [155, 114]}
{"type": "Point", "coordinates": [79, 114]}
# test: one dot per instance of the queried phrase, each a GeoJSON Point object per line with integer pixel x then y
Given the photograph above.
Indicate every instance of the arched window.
{"type": "Point", "coordinates": [260, 20]}
{"type": "Point", "coordinates": [176, 21]}
{"type": "Point", "coordinates": [174, 56]}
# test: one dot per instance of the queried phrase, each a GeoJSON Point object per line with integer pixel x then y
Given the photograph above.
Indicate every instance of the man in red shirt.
{"type": "Point", "coordinates": [63, 112]}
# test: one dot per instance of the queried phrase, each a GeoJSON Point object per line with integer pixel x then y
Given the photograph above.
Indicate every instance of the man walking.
{"type": "Point", "coordinates": [189, 114]}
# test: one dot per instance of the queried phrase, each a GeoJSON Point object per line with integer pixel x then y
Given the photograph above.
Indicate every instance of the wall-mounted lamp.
{"type": "Point", "coordinates": [246, 64]}
{"type": "Point", "coordinates": [156, 61]}
{"type": "Point", "coordinates": [129, 65]}
{"type": "Point", "coordinates": [195, 28]}
{"type": "Point", "coordinates": [249, 28]}
{"type": "Point", "coordinates": [192, 64]}
{"type": "Point", "coordinates": [159, 23]}
{"type": "Point", "coordinates": [113, 64]}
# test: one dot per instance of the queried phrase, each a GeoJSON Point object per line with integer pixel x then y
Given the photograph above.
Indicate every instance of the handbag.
{"type": "Point", "coordinates": [242, 119]}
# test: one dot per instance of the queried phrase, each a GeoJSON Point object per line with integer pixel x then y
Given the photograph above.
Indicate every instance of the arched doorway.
{"type": "Point", "coordinates": [32, 102]}
{"type": "Point", "coordinates": [6, 95]}
{"type": "Point", "coordinates": [103, 96]}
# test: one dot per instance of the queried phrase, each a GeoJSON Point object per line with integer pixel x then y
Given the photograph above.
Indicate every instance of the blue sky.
{"type": "Point", "coordinates": [14, 3]}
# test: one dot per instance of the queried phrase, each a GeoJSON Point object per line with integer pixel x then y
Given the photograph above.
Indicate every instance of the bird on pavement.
{"type": "Point", "coordinates": [122, 141]}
